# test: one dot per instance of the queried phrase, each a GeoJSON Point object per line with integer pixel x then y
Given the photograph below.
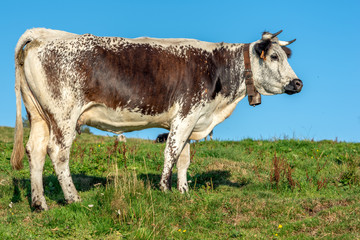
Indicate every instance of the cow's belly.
{"type": "Point", "coordinates": [123, 120]}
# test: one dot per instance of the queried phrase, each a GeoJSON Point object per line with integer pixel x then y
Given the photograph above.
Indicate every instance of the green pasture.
{"type": "Point", "coordinates": [250, 189]}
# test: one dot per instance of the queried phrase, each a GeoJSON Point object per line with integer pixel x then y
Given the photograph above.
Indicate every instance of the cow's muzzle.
{"type": "Point", "coordinates": [294, 86]}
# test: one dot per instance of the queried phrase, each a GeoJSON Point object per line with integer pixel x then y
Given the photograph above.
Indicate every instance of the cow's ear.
{"type": "Point", "coordinates": [262, 48]}
{"type": "Point", "coordinates": [287, 51]}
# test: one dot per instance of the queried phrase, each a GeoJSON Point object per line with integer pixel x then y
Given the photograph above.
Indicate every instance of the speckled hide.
{"type": "Point", "coordinates": [120, 85]}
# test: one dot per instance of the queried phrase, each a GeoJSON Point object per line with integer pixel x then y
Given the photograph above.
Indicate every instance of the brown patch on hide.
{"type": "Point", "coordinates": [228, 80]}
{"type": "Point", "coordinates": [53, 71]}
{"type": "Point", "coordinates": [131, 75]}
{"type": "Point", "coordinates": [150, 78]}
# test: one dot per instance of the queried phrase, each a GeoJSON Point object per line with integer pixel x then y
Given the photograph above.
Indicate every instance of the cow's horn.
{"type": "Point", "coordinates": [268, 36]}
{"type": "Point", "coordinates": [275, 34]}
{"type": "Point", "coordinates": [285, 43]}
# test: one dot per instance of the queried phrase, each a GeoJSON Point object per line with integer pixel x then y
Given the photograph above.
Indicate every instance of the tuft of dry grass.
{"type": "Point", "coordinates": [282, 171]}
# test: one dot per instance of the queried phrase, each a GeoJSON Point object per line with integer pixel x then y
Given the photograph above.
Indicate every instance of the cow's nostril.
{"type": "Point", "coordinates": [298, 84]}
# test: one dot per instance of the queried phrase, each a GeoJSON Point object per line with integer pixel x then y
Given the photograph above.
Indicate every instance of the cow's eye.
{"type": "Point", "coordinates": [274, 57]}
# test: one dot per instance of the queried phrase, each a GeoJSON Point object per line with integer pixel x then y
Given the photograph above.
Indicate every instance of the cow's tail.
{"type": "Point", "coordinates": [18, 148]}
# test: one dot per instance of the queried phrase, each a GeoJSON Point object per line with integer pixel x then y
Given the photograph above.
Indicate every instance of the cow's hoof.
{"type": "Point", "coordinates": [73, 200]}
{"type": "Point", "coordinates": [39, 206]}
{"type": "Point", "coordinates": [165, 188]}
{"type": "Point", "coordinates": [165, 185]}
{"type": "Point", "coordinates": [183, 189]}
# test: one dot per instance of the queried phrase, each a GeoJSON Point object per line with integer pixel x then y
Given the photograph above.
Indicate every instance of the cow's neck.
{"type": "Point", "coordinates": [229, 60]}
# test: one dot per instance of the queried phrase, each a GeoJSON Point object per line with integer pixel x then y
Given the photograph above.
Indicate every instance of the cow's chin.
{"type": "Point", "coordinates": [290, 92]}
{"type": "Point", "coordinates": [270, 91]}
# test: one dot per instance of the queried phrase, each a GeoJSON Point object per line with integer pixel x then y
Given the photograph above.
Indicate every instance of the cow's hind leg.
{"type": "Point", "coordinates": [182, 166]}
{"type": "Point", "coordinates": [59, 152]}
{"type": "Point", "coordinates": [36, 152]}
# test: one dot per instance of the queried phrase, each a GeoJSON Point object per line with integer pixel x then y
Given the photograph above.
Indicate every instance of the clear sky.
{"type": "Point", "coordinates": [326, 55]}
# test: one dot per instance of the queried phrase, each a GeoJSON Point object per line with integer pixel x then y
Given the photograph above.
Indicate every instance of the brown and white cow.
{"type": "Point", "coordinates": [112, 83]}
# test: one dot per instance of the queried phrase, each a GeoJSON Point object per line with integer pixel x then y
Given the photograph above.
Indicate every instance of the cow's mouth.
{"type": "Point", "coordinates": [294, 86]}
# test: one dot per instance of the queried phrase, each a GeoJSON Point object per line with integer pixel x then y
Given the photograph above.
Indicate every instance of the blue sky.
{"type": "Point", "coordinates": [326, 55]}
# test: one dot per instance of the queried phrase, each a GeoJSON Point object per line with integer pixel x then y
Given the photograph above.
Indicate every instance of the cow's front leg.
{"type": "Point", "coordinates": [182, 166]}
{"type": "Point", "coordinates": [178, 137]}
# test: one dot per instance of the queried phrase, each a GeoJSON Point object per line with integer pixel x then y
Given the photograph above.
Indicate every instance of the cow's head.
{"type": "Point", "coordinates": [271, 70]}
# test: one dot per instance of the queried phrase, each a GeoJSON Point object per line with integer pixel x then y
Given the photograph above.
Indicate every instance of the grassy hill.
{"type": "Point", "coordinates": [285, 189]}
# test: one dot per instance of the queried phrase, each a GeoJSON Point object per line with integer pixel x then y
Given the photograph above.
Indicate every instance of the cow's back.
{"type": "Point", "coordinates": [150, 75]}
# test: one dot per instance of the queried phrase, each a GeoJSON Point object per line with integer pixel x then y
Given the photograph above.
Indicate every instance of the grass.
{"type": "Point", "coordinates": [284, 189]}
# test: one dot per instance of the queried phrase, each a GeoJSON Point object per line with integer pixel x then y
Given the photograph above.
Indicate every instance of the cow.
{"type": "Point", "coordinates": [121, 138]}
{"type": "Point", "coordinates": [113, 84]}
{"type": "Point", "coordinates": [161, 138]}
